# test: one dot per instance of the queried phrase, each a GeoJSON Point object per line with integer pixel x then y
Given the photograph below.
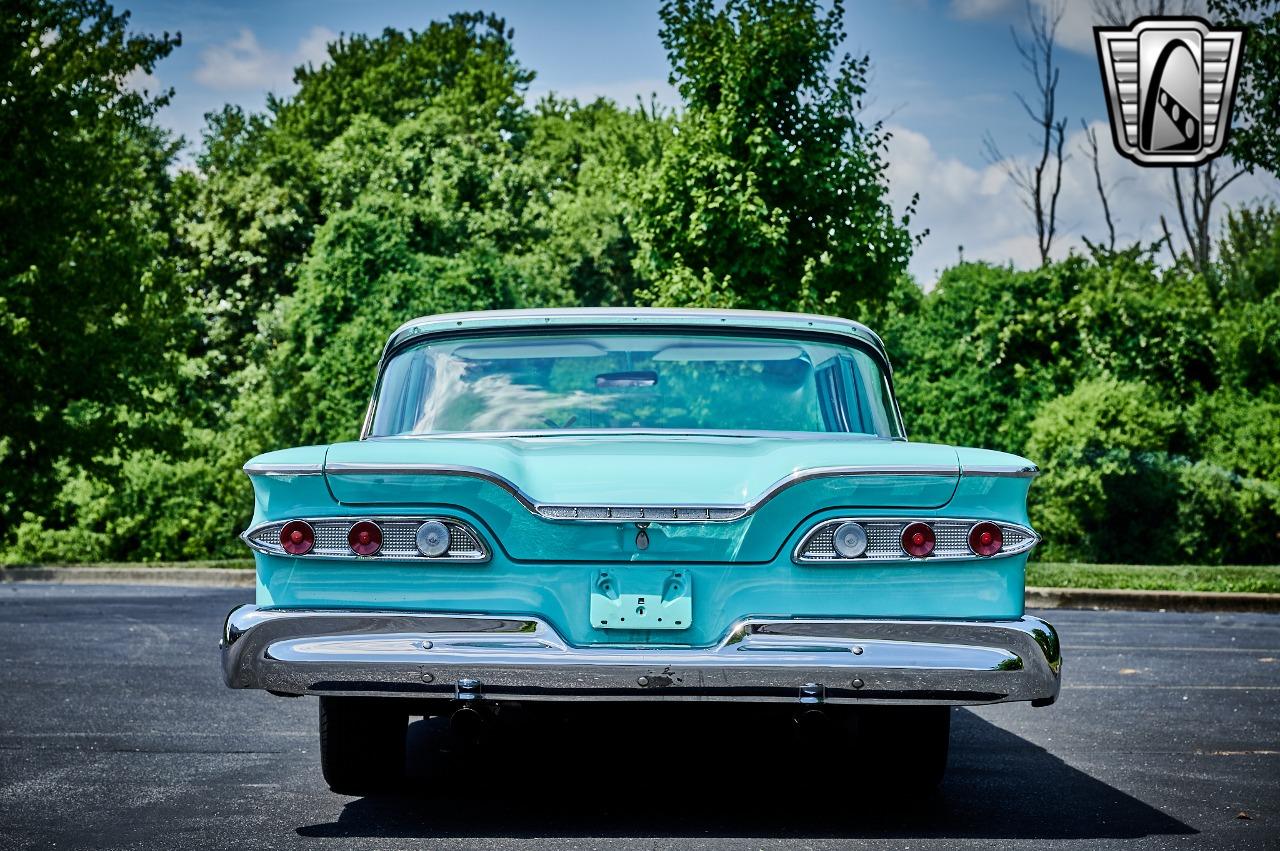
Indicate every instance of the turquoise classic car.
{"type": "Point", "coordinates": [627, 506]}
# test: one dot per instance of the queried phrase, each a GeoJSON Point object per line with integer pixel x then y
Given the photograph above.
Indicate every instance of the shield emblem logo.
{"type": "Point", "coordinates": [1169, 83]}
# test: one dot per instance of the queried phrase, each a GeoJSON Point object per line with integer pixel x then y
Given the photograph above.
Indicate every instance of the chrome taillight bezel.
{"type": "Point", "coordinates": [304, 543]}
{"type": "Point", "coordinates": [398, 532]}
{"type": "Point", "coordinates": [951, 540]}
{"type": "Point", "coordinates": [976, 544]}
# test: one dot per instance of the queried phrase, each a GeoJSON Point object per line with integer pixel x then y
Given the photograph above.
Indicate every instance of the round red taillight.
{"type": "Point", "coordinates": [297, 537]}
{"type": "Point", "coordinates": [365, 538]}
{"type": "Point", "coordinates": [985, 539]}
{"type": "Point", "coordinates": [917, 539]}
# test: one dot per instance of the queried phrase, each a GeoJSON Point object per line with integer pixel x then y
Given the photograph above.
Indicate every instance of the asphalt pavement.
{"type": "Point", "coordinates": [116, 732]}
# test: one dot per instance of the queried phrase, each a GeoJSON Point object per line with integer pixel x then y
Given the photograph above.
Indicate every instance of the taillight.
{"type": "Point", "coordinates": [365, 538]}
{"type": "Point", "coordinates": [985, 539]}
{"type": "Point", "coordinates": [917, 540]}
{"type": "Point", "coordinates": [297, 537]}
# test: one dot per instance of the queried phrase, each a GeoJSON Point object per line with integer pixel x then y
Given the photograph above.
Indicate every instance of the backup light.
{"type": "Point", "coordinates": [917, 539]}
{"type": "Point", "coordinates": [432, 539]}
{"type": "Point", "coordinates": [365, 538]}
{"type": "Point", "coordinates": [850, 540]}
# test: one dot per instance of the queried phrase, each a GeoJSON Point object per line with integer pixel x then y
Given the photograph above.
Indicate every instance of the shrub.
{"type": "Point", "coordinates": [1110, 488]}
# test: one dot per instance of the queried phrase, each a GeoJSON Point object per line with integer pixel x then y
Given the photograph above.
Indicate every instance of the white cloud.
{"type": "Point", "coordinates": [981, 209]}
{"type": "Point", "coordinates": [1079, 17]}
{"type": "Point", "coordinates": [243, 64]}
{"type": "Point", "coordinates": [1075, 30]}
{"type": "Point", "coordinates": [314, 47]}
{"type": "Point", "coordinates": [621, 92]}
{"type": "Point", "coordinates": [140, 81]}
{"type": "Point", "coordinates": [974, 9]}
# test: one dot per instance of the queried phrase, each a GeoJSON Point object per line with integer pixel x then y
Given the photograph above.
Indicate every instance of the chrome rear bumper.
{"type": "Point", "coordinates": [413, 654]}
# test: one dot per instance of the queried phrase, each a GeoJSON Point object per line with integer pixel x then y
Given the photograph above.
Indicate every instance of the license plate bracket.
{"type": "Point", "coordinates": [670, 607]}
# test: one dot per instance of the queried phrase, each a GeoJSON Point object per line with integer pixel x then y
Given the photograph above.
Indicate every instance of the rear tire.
{"type": "Point", "coordinates": [908, 745]}
{"type": "Point", "coordinates": [362, 744]}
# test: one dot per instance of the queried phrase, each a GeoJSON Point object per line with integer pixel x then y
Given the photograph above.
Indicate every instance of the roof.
{"type": "Point", "coordinates": [693, 317]}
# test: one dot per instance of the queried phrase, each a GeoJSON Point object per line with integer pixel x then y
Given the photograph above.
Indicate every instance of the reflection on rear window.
{"type": "Point", "coordinates": [522, 383]}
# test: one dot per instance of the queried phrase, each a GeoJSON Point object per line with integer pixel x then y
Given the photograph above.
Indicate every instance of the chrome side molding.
{"type": "Point", "coordinates": [252, 469]}
{"type": "Point", "coordinates": [1009, 471]}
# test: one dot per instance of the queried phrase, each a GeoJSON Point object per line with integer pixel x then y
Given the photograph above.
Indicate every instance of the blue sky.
{"type": "Point", "coordinates": [944, 73]}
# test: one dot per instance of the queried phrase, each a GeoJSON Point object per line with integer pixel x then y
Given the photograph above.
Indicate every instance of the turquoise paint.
{"type": "Point", "coordinates": [736, 569]}
{"type": "Point", "coordinates": [665, 605]}
{"type": "Point", "coordinates": [640, 469]}
{"type": "Point", "coordinates": [723, 593]}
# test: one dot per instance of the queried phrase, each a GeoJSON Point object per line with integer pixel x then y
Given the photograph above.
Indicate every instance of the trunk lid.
{"type": "Point", "coordinates": [507, 481]}
{"type": "Point", "coordinates": [634, 470]}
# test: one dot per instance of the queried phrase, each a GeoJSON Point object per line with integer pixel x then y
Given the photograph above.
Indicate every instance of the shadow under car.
{"type": "Point", "coordinates": [683, 771]}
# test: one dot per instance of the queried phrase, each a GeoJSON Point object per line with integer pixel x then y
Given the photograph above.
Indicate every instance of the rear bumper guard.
{"type": "Point", "coordinates": [416, 654]}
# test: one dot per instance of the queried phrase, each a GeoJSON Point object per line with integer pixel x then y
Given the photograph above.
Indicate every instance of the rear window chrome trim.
{"type": "Point", "coordinates": [667, 433]}
{"type": "Point", "coordinates": [399, 342]}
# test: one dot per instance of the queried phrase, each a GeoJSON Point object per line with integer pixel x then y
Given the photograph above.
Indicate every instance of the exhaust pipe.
{"type": "Point", "coordinates": [809, 721]}
{"type": "Point", "coordinates": [466, 723]}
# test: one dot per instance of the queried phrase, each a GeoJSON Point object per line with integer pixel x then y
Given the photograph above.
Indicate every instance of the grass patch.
{"type": "Point", "coordinates": [210, 564]}
{"type": "Point", "coordinates": [1144, 577]}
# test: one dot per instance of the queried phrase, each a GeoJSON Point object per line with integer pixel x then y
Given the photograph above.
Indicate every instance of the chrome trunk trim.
{"type": "Point", "coordinates": [420, 654]}
{"type": "Point", "coordinates": [613, 513]}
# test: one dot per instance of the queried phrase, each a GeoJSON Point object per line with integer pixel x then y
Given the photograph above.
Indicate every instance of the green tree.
{"type": "Point", "coordinates": [405, 234]}
{"type": "Point", "coordinates": [770, 192]}
{"type": "Point", "coordinates": [87, 296]}
{"type": "Point", "coordinates": [593, 156]}
{"type": "Point", "coordinates": [988, 345]}
{"type": "Point", "coordinates": [1255, 135]}
{"type": "Point", "coordinates": [1107, 483]}
{"type": "Point", "coordinates": [251, 211]}
{"type": "Point", "coordinates": [1249, 255]}
{"type": "Point", "coordinates": [459, 200]}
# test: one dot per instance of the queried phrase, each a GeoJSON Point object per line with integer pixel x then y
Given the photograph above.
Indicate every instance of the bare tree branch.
{"type": "Point", "coordinates": [1175, 176]}
{"type": "Point", "coordinates": [1194, 198]}
{"type": "Point", "coordinates": [1168, 239]}
{"type": "Point", "coordinates": [1121, 13]}
{"type": "Point", "coordinates": [1090, 148]}
{"type": "Point", "coordinates": [1039, 184]}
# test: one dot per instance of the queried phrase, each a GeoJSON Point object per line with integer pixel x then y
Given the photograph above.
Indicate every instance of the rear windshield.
{"type": "Point", "coordinates": [545, 383]}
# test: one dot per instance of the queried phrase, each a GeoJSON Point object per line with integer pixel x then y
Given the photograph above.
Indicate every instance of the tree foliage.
{"type": "Point", "coordinates": [1255, 135]}
{"type": "Point", "coordinates": [1148, 397]}
{"type": "Point", "coordinates": [86, 285]}
{"type": "Point", "coordinates": [157, 330]}
{"type": "Point", "coordinates": [771, 192]}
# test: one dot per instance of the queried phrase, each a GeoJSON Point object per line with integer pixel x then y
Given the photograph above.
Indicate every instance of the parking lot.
{"type": "Point", "coordinates": [116, 731]}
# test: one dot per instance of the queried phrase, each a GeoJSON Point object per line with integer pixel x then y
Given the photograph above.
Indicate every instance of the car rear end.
{"type": "Point", "coordinates": [648, 558]}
